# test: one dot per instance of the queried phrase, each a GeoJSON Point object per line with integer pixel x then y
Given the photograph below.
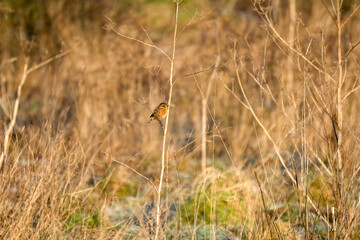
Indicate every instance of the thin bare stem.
{"type": "Point", "coordinates": [267, 20]}
{"type": "Point", "coordinates": [339, 103]}
{"type": "Point", "coordinates": [47, 61]}
{"type": "Point", "coordinates": [351, 49]}
{"type": "Point", "coordinates": [158, 211]}
{"type": "Point", "coordinates": [264, 205]}
{"type": "Point", "coordinates": [112, 27]}
{"type": "Point", "coordinates": [132, 169]}
{"type": "Point", "coordinates": [290, 67]}
{"type": "Point", "coordinates": [328, 10]}
{"type": "Point", "coordinates": [262, 126]}
{"type": "Point", "coordinates": [204, 119]}
{"type": "Point", "coordinates": [352, 14]}
{"type": "Point", "coordinates": [26, 72]}
{"type": "Point", "coordinates": [13, 120]}
{"type": "Point", "coordinates": [352, 91]}
{"type": "Point", "coordinates": [276, 148]}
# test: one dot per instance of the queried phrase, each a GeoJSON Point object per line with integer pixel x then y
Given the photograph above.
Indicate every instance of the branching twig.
{"type": "Point", "coordinates": [26, 72]}
{"type": "Point", "coordinates": [13, 120]}
{"type": "Point", "coordinates": [267, 20]}
{"type": "Point", "coordinates": [351, 49]}
{"type": "Point", "coordinates": [212, 67]}
{"type": "Point", "coordinates": [328, 10]}
{"type": "Point", "coordinates": [290, 175]}
{"type": "Point", "coordinates": [128, 167]}
{"type": "Point", "coordinates": [112, 27]}
{"type": "Point", "coordinates": [352, 14]}
{"type": "Point", "coordinates": [352, 91]}
{"type": "Point", "coordinates": [162, 90]}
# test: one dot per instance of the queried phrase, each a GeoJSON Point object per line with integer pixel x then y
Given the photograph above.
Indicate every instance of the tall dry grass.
{"type": "Point", "coordinates": [262, 138]}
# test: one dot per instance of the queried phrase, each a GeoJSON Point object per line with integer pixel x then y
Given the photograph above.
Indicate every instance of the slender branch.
{"type": "Point", "coordinates": [233, 93]}
{"type": "Point", "coordinates": [112, 27]}
{"type": "Point", "coordinates": [349, 93]}
{"type": "Point", "coordinates": [155, 76]}
{"type": "Point", "coordinates": [290, 175]}
{"type": "Point", "coordinates": [351, 49]}
{"type": "Point", "coordinates": [339, 103]}
{"type": "Point", "coordinates": [161, 88]}
{"type": "Point", "coordinates": [260, 123]}
{"type": "Point", "coordinates": [204, 119]}
{"type": "Point", "coordinates": [212, 67]}
{"type": "Point", "coordinates": [269, 23]}
{"type": "Point", "coordinates": [26, 72]}
{"type": "Point", "coordinates": [328, 10]}
{"type": "Point", "coordinates": [37, 66]}
{"type": "Point", "coordinates": [13, 120]}
{"type": "Point", "coordinates": [357, 8]}
{"type": "Point", "coordinates": [132, 169]}
{"type": "Point", "coordinates": [216, 125]}
{"type": "Point", "coordinates": [177, 3]}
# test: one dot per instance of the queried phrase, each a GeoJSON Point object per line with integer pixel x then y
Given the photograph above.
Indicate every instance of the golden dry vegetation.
{"type": "Point", "coordinates": [262, 138]}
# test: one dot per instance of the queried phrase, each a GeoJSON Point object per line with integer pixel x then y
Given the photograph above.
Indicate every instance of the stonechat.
{"type": "Point", "coordinates": [160, 112]}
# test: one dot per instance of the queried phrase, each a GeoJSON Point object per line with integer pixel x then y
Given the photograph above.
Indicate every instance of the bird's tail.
{"type": "Point", "coordinates": [151, 118]}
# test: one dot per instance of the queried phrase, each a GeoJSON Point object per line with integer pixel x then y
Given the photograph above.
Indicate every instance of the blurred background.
{"type": "Point", "coordinates": [83, 162]}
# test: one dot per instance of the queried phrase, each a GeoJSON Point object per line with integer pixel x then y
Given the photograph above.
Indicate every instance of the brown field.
{"type": "Point", "coordinates": [261, 140]}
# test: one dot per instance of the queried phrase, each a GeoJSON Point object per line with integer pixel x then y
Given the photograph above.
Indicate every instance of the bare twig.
{"type": "Point", "coordinates": [155, 75]}
{"type": "Point", "coordinates": [352, 14]}
{"type": "Point", "coordinates": [351, 49]}
{"type": "Point", "coordinates": [13, 120]}
{"type": "Point", "coordinates": [339, 104]}
{"type": "Point", "coordinates": [352, 91]}
{"type": "Point", "coordinates": [212, 67]}
{"type": "Point", "coordinates": [112, 27]}
{"type": "Point", "coordinates": [267, 20]}
{"type": "Point", "coordinates": [276, 148]}
{"type": "Point", "coordinates": [233, 93]}
{"type": "Point", "coordinates": [132, 169]}
{"type": "Point", "coordinates": [204, 119]}
{"type": "Point", "coordinates": [47, 61]}
{"type": "Point", "coordinates": [162, 90]}
{"type": "Point", "coordinates": [328, 10]}
{"type": "Point", "coordinates": [26, 72]}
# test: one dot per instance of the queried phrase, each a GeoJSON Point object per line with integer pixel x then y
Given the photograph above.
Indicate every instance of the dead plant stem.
{"type": "Point", "coordinates": [26, 72]}
{"type": "Point", "coordinates": [339, 105]}
{"type": "Point", "coordinates": [158, 210]}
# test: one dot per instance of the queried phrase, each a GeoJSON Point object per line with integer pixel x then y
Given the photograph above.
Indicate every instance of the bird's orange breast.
{"type": "Point", "coordinates": [162, 113]}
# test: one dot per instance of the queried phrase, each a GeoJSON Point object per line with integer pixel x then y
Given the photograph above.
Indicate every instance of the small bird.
{"type": "Point", "coordinates": [160, 112]}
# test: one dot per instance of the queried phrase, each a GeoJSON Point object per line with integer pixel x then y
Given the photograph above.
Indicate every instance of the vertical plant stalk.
{"type": "Point", "coordinates": [290, 68]}
{"type": "Point", "coordinates": [264, 206]}
{"type": "Point", "coordinates": [14, 115]}
{"type": "Point", "coordinates": [203, 138]}
{"type": "Point", "coordinates": [177, 3]}
{"type": "Point", "coordinates": [204, 119]}
{"type": "Point", "coordinates": [339, 105]}
{"type": "Point", "coordinates": [26, 72]}
{"type": "Point", "coordinates": [276, 148]}
{"type": "Point", "coordinates": [304, 164]}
